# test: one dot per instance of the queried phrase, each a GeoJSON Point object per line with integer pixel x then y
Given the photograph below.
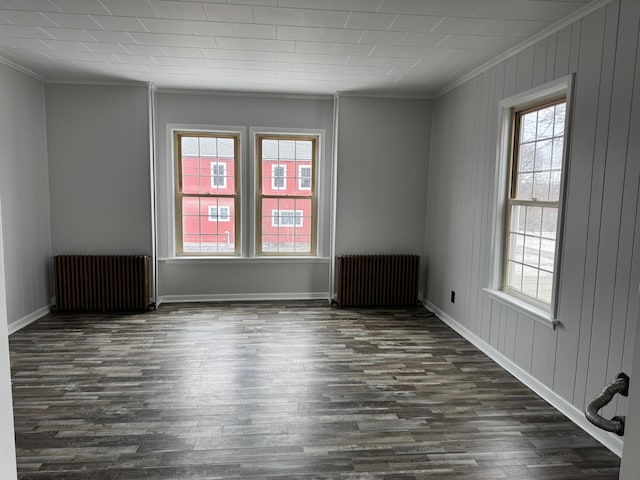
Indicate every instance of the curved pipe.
{"type": "Point", "coordinates": [616, 424]}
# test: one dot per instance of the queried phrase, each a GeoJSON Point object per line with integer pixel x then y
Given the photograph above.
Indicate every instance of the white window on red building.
{"type": "Point", "coordinates": [278, 177]}
{"type": "Point", "coordinates": [286, 217]}
{"type": "Point", "coordinates": [220, 213]}
{"type": "Point", "coordinates": [207, 198]}
{"type": "Point", "coordinates": [219, 174]}
{"type": "Point", "coordinates": [304, 177]}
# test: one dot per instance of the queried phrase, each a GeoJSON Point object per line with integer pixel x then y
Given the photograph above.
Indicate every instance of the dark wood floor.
{"type": "Point", "coordinates": [293, 390]}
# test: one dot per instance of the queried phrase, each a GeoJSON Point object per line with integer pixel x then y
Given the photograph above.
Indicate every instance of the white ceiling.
{"type": "Point", "coordinates": [402, 47]}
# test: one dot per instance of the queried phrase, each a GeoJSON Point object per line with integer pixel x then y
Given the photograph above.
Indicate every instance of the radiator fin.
{"type": "Point", "coordinates": [118, 283]}
{"type": "Point", "coordinates": [377, 280]}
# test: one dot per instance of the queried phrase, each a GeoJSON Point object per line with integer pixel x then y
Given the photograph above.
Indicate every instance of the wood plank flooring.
{"type": "Point", "coordinates": [274, 390]}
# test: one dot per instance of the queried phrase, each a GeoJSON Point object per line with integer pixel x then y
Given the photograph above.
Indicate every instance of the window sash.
{"type": "Point", "coordinates": [180, 196]}
{"type": "Point", "coordinates": [512, 202]}
{"type": "Point", "coordinates": [310, 194]}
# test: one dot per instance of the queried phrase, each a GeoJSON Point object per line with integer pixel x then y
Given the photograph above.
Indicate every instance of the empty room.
{"type": "Point", "coordinates": [319, 239]}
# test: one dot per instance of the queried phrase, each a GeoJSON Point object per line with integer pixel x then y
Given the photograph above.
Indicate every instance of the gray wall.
{"type": "Point", "coordinates": [184, 279]}
{"type": "Point", "coordinates": [99, 169]}
{"type": "Point", "coordinates": [630, 465]}
{"type": "Point", "coordinates": [600, 272]}
{"type": "Point", "coordinates": [24, 190]}
{"type": "Point", "coordinates": [383, 151]}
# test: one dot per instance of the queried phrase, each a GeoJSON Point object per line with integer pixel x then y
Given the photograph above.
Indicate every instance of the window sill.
{"type": "Point", "coordinates": [244, 260]}
{"type": "Point", "coordinates": [526, 309]}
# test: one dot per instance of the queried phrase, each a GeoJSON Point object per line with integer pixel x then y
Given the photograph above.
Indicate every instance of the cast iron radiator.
{"type": "Point", "coordinates": [102, 283]}
{"type": "Point", "coordinates": [377, 280]}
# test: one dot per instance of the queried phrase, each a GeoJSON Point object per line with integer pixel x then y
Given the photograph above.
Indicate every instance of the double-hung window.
{"type": "Point", "coordinates": [533, 202]}
{"type": "Point", "coordinates": [286, 203]}
{"type": "Point", "coordinates": [207, 202]}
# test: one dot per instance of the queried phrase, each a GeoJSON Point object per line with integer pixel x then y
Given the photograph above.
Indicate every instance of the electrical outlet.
{"type": "Point", "coordinates": [453, 296]}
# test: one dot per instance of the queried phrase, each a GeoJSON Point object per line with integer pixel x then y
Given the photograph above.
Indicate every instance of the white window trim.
{"type": "Point", "coordinates": [274, 166]}
{"type": "Point", "coordinates": [276, 215]}
{"type": "Point", "coordinates": [226, 217]}
{"type": "Point", "coordinates": [564, 86]}
{"type": "Point", "coordinates": [170, 130]}
{"type": "Point", "coordinates": [321, 171]}
{"type": "Point", "coordinates": [300, 177]}
{"type": "Point", "coordinates": [224, 174]}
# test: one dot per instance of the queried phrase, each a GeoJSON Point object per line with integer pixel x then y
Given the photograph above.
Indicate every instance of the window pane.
{"type": "Point", "coordinates": [533, 224]}
{"type": "Point", "coordinates": [530, 281]}
{"type": "Point", "coordinates": [556, 157]}
{"type": "Point", "coordinates": [528, 127]}
{"type": "Point", "coordinates": [286, 149]}
{"type": "Point", "coordinates": [545, 286]}
{"type": "Point", "coordinates": [532, 251]}
{"type": "Point", "coordinates": [560, 112]}
{"type": "Point", "coordinates": [543, 155]}
{"type": "Point", "coordinates": [541, 182]}
{"type": "Point", "coordinates": [518, 218]}
{"type": "Point", "coordinates": [225, 148]}
{"type": "Point", "coordinates": [554, 185]}
{"type": "Point", "coordinates": [208, 147]}
{"type": "Point", "coordinates": [516, 248]}
{"type": "Point", "coordinates": [304, 149]}
{"type": "Point", "coordinates": [547, 254]}
{"type": "Point", "coordinates": [549, 222]}
{"type": "Point", "coordinates": [527, 157]}
{"type": "Point", "coordinates": [545, 123]}
{"type": "Point", "coordinates": [208, 225]}
{"type": "Point", "coordinates": [524, 189]}
{"type": "Point", "coordinates": [190, 146]}
{"type": "Point", "coordinates": [514, 275]}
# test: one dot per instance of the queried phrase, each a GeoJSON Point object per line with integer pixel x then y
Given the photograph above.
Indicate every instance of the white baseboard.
{"type": "Point", "coordinates": [241, 297]}
{"type": "Point", "coordinates": [609, 440]}
{"type": "Point", "coordinates": [13, 327]}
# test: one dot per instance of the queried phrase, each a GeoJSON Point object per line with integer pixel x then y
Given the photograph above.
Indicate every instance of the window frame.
{"type": "Point", "coordinates": [312, 196]}
{"type": "Point", "coordinates": [179, 195]}
{"type": "Point", "coordinates": [561, 87]}
{"type": "Point", "coordinates": [511, 200]}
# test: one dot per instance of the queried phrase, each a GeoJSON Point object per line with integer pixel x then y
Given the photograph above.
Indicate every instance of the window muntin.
{"type": "Point", "coordinates": [533, 202]}
{"type": "Point", "coordinates": [280, 231]}
{"type": "Point", "coordinates": [207, 201]}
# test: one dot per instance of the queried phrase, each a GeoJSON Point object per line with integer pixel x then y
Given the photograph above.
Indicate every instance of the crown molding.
{"type": "Point", "coordinates": [21, 69]}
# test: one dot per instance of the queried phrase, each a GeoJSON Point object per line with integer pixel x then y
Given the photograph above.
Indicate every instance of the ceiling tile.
{"type": "Point", "coordinates": [175, 61]}
{"type": "Point", "coordinates": [31, 5]}
{"type": "Point", "coordinates": [374, 37]}
{"type": "Point", "coordinates": [228, 13]}
{"type": "Point", "coordinates": [428, 53]}
{"type": "Point", "coordinates": [255, 44]}
{"type": "Point", "coordinates": [68, 34]}
{"type": "Point", "coordinates": [277, 16]}
{"type": "Point", "coordinates": [150, 50]}
{"type": "Point", "coordinates": [327, 19]}
{"type": "Point", "coordinates": [119, 24]}
{"type": "Point", "coordinates": [65, 46]}
{"type": "Point", "coordinates": [412, 7]}
{"type": "Point", "coordinates": [415, 23]}
{"type": "Point", "coordinates": [113, 37]}
{"type": "Point", "coordinates": [133, 8]}
{"type": "Point", "coordinates": [137, 59]}
{"type": "Point", "coordinates": [370, 21]}
{"type": "Point", "coordinates": [80, 6]}
{"type": "Point", "coordinates": [390, 51]}
{"type": "Point", "coordinates": [216, 53]}
{"type": "Point", "coordinates": [186, 52]}
{"type": "Point", "coordinates": [355, 5]}
{"type": "Point", "coordinates": [352, 49]}
{"type": "Point", "coordinates": [460, 25]}
{"type": "Point", "coordinates": [162, 25]}
{"type": "Point", "coordinates": [211, 29]}
{"type": "Point", "coordinates": [524, 9]}
{"type": "Point", "coordinates": [249, 30]}
{"type": "Point", "coordinates": [423, 39]}
{"type": "Point", "coordinates": [179, 10]}
{"type": "Point", "coordinates": [364, 61]}
{"type": "Point", "coordinates": [98, 47]}
{"type": "Point", "coordinates": [72, 20]}
{"type": "Point", "coordinates": [398, 62]}
{"type": "Point", "coordinates": [374, 70]}
{"type": "Point", "coordinates": [515, 28]}
{"type": "Point", "coordinates": [340, 35]}
{"type": "Point", "coordinates": [315, 47]}
{"type": "Point", "coordinates": [454, 8]}
{"type": "Point", "coordinates": [22, 31]}
{"type": "Point", "coordinates": [315, 4]}
{"type": "Point", "coordinates": [476, 41]}
{"type": "Point", "coordinates": [171, 40]}
{"type": "Point", "coordinates": [263, 3]}
{"type": "Point", "coordinates": [298, 33]}
{"type": "Point", "coordinates": [27, 18]}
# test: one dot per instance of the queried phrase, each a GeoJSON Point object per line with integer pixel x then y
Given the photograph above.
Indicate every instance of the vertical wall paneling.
{"type": "Point", "coordinates": [24, 188]}
{"type": "Point", "coordinates": [600, 140]}
{"type": "Point", "coordinates": [608, 276]}
{"type": "Point", "coordinates": [580, 166]}
{"type": "Point", "coordinates": [630, 170]}
{"type": "Point", "coordinates": [600, 270]}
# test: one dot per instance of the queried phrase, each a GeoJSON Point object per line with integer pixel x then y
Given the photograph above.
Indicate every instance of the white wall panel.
{"type": "Point", "coordinates": [99, 169]}
{"type": "Point", "coordinates": [24, 189]}
{"type": "Point", "coordinates": [600, 261]}
{"type": "Point", "coordinates": [383, 147]}
{"type": "Point", "coordinates": [211, 279]}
